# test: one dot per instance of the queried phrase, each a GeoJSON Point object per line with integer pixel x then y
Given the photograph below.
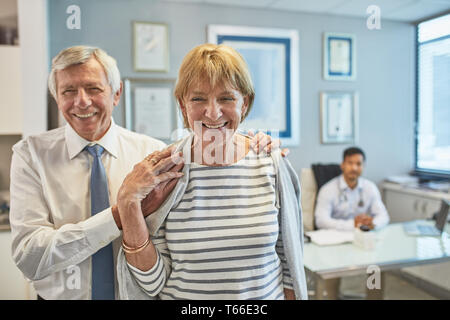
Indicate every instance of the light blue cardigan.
{"type": "Point", "coordinates": [288, 202]}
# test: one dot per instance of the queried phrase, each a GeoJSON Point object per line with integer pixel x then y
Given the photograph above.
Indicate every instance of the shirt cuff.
{"type": "Point", "coordinates": [151, 281]}
{"type": "Point", "coordinates": [288, 283]}
{"type": "Point", "coordinates": [101, 229]}
{"type": "Point", "coordinates": [350, 224]}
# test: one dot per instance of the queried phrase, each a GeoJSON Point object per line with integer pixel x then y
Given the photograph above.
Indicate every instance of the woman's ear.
{"type": "Point", "coordinates": [182, 107]}
{"type": "Point", "coordinates": [183, 111]}
{"type": "Point", "coordinates": [244, 107]}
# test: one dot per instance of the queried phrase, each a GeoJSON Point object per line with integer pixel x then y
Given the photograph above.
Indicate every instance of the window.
{"type": "Point", "coordinates": [433, 97]}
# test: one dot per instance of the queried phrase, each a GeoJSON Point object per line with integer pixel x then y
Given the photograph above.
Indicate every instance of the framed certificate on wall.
{"type": "Point", "coordinates": [151, 47]}
{"type": "Point", "coordinates": [339, 117]}
{"type": "Point", "coordinates": [150, 108]}
{"type": "Point", "coordinates": [339, 56]}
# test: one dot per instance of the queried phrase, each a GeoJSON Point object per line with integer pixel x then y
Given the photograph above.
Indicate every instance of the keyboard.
{"type": "Point", "coordinates": [417, 229]}
{"type": "Point", "coordinates": [427, 229]}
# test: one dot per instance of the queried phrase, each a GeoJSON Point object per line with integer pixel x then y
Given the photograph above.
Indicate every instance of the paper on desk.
{"type": "Point", "coordinates": [326, 237]}
{"type": "Point", "coordinates": [402, 179]}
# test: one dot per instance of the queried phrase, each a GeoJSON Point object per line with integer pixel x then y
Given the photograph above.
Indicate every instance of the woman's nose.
{"type": "Point", "coordinates": [213, 110]}
{"type": "Point", "coordinates": [82, 100]}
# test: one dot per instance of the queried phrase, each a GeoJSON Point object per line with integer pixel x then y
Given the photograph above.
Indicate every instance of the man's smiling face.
{"type": "Point", "coordinates": [85, 98]}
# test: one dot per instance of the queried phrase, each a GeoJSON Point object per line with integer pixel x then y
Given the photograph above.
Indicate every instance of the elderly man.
{"type": "Point", "coordinates": [349, 200]}
{"type": "Point", "coordinates": [64, 183]}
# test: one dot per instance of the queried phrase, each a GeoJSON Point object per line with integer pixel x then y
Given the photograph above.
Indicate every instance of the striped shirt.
{"type": "Point", "coordinates": [222, 240]}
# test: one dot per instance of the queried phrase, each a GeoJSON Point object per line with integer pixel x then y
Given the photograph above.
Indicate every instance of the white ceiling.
{"type": "Point", "coordinates": [400, 10]}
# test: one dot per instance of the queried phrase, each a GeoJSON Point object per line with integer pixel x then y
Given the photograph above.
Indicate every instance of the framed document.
{"type": "Point", "coordinates": [150, 108]}
{"type": "Point", "coordinates": [339, 56]}
{"type": "Point", "coordinates": [151, 46]}
{"type": "Point", "coordinates": [273, 60]}
{"type": "Point", "coordinates": [339, 114]}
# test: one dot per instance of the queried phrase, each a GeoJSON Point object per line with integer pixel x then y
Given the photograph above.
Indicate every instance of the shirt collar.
{"type": "Point", "coordinates": [76, 144]}
{"type": "Point", "coordinates": [343, 185]}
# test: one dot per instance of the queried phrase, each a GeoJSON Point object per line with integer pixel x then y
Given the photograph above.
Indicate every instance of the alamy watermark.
{"type": "Point", "coordinates": [374, 280]}
{"type": "Point", "coordinates": [73, 281]}
{"type": "Point", "coordinates": [73, 21]}
{"type": "Point", "coordinates": [374, 19]}
{"type": "Point", "coordinates": [219, 146]}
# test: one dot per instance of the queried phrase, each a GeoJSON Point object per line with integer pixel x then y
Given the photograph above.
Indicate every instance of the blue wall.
{"type": "Point", "coordinates": [385, 67]}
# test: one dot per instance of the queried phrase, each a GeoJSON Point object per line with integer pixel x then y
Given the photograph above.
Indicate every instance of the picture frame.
{"type": "Point", "coordinates": [272, 56]}
{"type": "Point", "coordinates": [150, 46]}
{"type": "Point", "coordinates": [339, 56]}
{"type": "Point", "coordinates": [339, 117]}
{"type": "Point", "coordinates": [150, 108]}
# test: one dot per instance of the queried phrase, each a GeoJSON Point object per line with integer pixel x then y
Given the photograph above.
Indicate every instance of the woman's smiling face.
{"type": "Point", "coordinates": [215, 109]}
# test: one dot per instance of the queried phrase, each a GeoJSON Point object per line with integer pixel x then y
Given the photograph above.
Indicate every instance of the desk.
{"type": "Point", "coordinates": [394, 250]}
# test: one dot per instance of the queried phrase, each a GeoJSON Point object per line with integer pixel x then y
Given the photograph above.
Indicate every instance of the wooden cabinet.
{"type": "Point", "coordinates": [407, 203]}
{"type": "Point", "coordinates": [11, 114]}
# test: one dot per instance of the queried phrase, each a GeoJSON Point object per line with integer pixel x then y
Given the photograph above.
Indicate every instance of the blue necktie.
{"type": "Point", "coordinates": [102, 260]}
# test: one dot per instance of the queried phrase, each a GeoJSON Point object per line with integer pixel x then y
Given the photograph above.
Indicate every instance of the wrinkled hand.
{"type": "Point", "coordinates": [364, 220]}
{"type": "Point", "coordinates": [264, 142]}
{"type": "Point", "coordinates": [160, 193]}
{"type": "Point", "coordinates": [157, 170]}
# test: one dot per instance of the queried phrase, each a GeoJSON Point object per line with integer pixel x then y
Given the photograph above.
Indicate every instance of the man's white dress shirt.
{"type": "Point", "coordinates": [53, 232]}
{"type": "Point", "coordinates": [337, 204]}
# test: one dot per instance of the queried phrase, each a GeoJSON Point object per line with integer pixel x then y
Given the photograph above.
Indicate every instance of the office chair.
{"type": "Point", "coordinates": [312, 179]}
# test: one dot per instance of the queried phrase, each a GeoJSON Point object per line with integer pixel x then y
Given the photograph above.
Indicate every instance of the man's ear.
{"type": "Point", "coordinates": [55, 99]}
{"type": "Point", "coordinates": [342, 166]}
{"type": "Point", "coordinates": [118, 94]}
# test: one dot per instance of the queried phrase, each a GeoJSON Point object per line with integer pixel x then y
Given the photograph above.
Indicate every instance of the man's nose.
{"type": "Point", "coordinates": [82, 100]}
{"type": "Point", "coordinates": [213, 110]}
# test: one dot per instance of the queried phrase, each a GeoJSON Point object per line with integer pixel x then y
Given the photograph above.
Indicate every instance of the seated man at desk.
{"type": "Point", "coordinates": [349, 201]}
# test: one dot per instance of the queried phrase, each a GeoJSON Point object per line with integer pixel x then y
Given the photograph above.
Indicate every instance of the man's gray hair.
{"type": "Point", "coordinates": [81, 54]}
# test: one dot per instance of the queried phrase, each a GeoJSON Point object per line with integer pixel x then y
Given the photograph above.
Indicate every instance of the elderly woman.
{"type": "Point", "coordinates": [232, 227]}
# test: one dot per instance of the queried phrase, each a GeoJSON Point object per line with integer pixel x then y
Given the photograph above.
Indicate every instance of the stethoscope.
{"type": "Point", "coordinates": [343, 197]}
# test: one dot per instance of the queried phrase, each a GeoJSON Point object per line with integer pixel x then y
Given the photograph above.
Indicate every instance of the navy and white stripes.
{"type": "Point", "coordinates": [222, 241]}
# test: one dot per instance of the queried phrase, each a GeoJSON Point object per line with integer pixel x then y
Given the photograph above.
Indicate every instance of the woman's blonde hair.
{"type": "Point", "coordinates": [81, 54]}
{"type": "Point", "coordinates": [217, 64]}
